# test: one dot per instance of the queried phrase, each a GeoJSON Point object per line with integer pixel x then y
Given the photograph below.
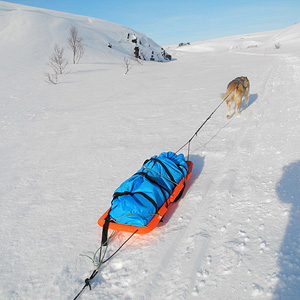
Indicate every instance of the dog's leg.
{"type": "Point", "coordinates": [237, 106]}
{"type": "Point", "coordinates": [247, 98]}
{"type": "Point", "coordinates": [228, 109]}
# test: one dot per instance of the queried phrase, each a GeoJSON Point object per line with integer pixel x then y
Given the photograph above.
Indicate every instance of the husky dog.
{"type": "Point", "coordinates": [236, 90]}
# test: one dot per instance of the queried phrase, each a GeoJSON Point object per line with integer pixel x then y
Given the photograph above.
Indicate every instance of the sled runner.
{"type": "Point", "coordinates": [141, 201]}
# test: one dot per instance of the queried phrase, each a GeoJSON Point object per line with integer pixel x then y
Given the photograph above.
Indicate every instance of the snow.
{"type": "Point", "coordinates": [65, 148]}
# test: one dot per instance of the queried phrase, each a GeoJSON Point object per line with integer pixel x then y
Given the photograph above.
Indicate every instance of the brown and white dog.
{"type": "Point", "coordinates": [236, 90]}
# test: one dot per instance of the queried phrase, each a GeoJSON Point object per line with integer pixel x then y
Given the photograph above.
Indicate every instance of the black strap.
{"type": "Point", "coordinates": [165, 168]}
{"type": "Point", "coordinates": [152, 180]}
{"type": "Point", "coordinates": [118, 194]}
{"type": "Point", "coordinates": [179, 167]}
{"type": "Point", "coordinates": [162, 188]}
{"type": "Point", "coordinates": [105, 229]}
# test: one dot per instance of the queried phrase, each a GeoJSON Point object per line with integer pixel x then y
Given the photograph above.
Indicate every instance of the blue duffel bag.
{"type": "Point", "coordinates": [140, 196]}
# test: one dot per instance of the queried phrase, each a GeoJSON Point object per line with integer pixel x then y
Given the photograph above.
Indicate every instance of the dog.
{"type": "Point", "coordinates": [236, 90]}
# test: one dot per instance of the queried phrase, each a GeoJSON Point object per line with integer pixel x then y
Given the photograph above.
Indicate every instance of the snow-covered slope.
{"type": "Point", "coordinates": [65, 148]}
{"type": "Point", "coordinates": [27, 31]}
{"type": "Point", "coordinates": [287, 40]}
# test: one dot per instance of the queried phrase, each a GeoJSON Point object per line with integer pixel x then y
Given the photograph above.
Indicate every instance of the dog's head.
{"type": "Point", "coordinates": [244, 80]}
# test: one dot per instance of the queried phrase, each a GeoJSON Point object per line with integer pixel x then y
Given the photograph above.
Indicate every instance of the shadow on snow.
{"type": "Point", "coordinates": [198, 163]}
{"type": "Point", "coordinates": [288, 191]}
{"type": "Point", "coordinates": [252, 99]}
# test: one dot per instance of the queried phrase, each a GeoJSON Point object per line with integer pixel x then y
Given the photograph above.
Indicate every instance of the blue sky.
{"type": "Point", "coordinates": [171, 22]}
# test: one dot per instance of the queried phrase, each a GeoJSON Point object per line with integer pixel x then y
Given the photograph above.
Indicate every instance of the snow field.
{"type": "Point", "coordinates": [65, 148]}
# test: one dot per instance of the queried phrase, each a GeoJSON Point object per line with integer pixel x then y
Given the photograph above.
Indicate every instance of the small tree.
{"type": "Point", "coordinates": [57, 61]}
{"type": "Point", "coordinates": [76, 45]}
{"type": "Point", "coordinates": [127, 64]}
{"type": "Point", "coordinates": [58, 64]}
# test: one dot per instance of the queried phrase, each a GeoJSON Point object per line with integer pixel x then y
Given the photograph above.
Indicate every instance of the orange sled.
{"type": "Point", "coordinates": [157, 217]}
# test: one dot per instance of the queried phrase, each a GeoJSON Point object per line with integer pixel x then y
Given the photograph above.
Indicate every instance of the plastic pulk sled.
{"type": "Point", "coordinates": [140, 202]}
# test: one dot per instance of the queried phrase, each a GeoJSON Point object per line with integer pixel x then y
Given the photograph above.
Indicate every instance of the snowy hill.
{"type": "Point", "coordinates": [287, 40]}
{"type": "Point", "coordinates": [30, 31]}
{"type": "Point", "coordinates": [65, 148]}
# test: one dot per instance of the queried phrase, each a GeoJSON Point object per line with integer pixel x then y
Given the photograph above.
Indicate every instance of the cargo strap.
{"type": "Point", "coordinates": [165, 168]}
{"type": "Point", "coordinates": [152, 180]}
{"type": "Point", "coordinates": [105, 229]}
{"type": "Point", "coordinates": [116, 195]}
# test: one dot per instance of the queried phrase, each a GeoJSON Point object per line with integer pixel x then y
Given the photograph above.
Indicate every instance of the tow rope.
{"type": "Point", "coordinates": [101, 260]}
{"type": "Point", "coordinates": [195, 134]}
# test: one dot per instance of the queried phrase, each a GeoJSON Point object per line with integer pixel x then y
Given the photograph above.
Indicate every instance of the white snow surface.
{"type": "Point", "coordinates": [65, 148]}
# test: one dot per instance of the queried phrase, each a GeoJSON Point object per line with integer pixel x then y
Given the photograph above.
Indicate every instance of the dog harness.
{"type": "Point", "coordinates": [242, 83]}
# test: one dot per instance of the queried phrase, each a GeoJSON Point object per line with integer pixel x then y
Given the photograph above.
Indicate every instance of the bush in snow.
{"type": "Point", "coordinates": [136, 52]}
{"type": "Point", "coordinates": [184, 44]}
{"type": "Point", "coordinates": [127, 64]}
{"type": "Point", "coordinates": [58, 64]}
{"type": "Point", "coordinates": [76, 45]}
{"type": "Point", "coordinates": [165, 55]}
{"type": "Point", "coordinates": [51, 78]}
{"type": "Point", "coordinates": [277, 46]}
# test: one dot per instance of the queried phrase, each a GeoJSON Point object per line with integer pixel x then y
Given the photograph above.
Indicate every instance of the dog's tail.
{"type": "Point", "coordinates": [225, 95]}
{"type": "Point", "coordinates": [230, 90]}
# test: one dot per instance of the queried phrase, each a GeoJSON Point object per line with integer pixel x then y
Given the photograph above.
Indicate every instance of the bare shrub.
{"type": "Point", "coordinates": [51, 78]}
{"type": "Point", "coordinates": [76, 45]}
{"type": "Point", "coordinates": [128, 65]}
{"type": "Point", "coordinates": [57, 61]}
{"type": "Point", "coordinates": [58, 64]}
{"type": "Point", "coordinates": [277, 45]}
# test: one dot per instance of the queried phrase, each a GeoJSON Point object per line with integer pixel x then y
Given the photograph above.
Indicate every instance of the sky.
{"type": "Point", "coordinates": [171, 22]}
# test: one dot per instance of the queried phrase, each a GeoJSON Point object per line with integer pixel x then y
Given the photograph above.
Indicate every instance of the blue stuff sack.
{"type": "Point", "coordinates": [138, 199]}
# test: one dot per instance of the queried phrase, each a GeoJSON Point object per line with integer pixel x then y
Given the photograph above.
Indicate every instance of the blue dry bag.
{"type": "Point", "coordinates": [138, 198]}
